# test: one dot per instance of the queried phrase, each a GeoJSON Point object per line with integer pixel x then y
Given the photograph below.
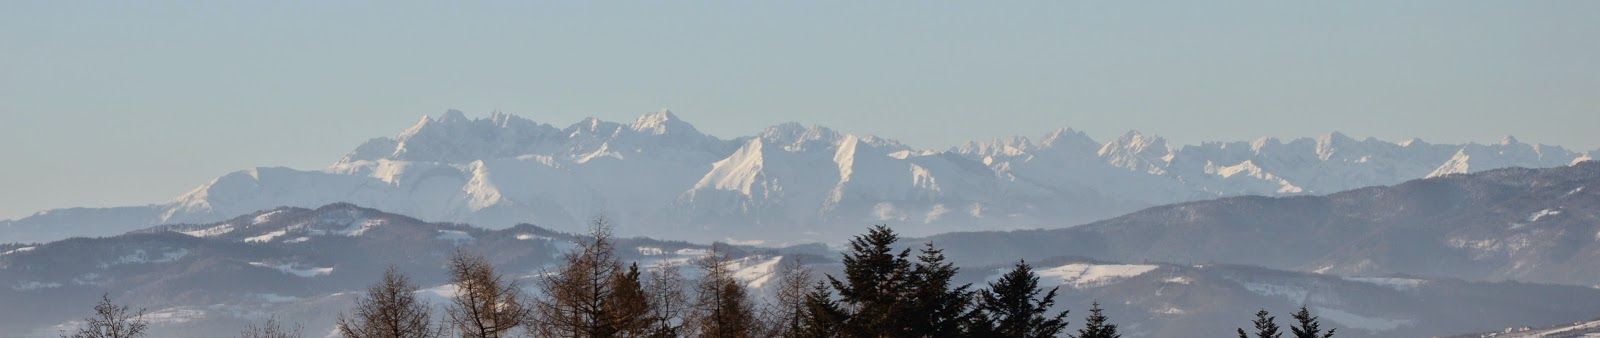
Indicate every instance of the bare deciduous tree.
{"type": "Point", "coordinates": [272, 329]}
{"type": "Point", "coordinates": [722, 307]}
{"type": "Point", "coordinates": [668, 304]}
{"type": "Point", "coordinates": [485, 305]}
{"type": "Point", "coordinates": [786, 316]}
{"type": "Point", "coordinates": [111, 321]}
{"type": "Point", "coordinates": [390, 309]}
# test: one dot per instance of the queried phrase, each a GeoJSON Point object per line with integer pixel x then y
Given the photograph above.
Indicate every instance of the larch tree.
{"type": "Point", "coordinates": [574, 298]}
{"type": "Point", "coordinates": [787, 314]}
{"type": "Point", "coordinates": [485, 305]}
{"type": "Point", "coordinates": [722, 307]}
{"type": "Point", "coordinates": [389, 309]}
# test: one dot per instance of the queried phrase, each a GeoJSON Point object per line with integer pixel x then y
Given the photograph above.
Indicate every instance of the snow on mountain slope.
{"type": "Point", "coordinates": [658, 175]}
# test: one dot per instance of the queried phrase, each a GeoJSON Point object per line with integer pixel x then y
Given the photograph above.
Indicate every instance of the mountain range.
{"type": "Point", "coordinates": [661, 177]}
{"type": "Point", "coordinates": [1515, 224]}
{"type": "Point", "coordinates": [305, 266]}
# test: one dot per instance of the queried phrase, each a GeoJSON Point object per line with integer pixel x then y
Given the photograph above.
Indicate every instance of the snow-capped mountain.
{"type": "Point", "coordinates": [659, 176]}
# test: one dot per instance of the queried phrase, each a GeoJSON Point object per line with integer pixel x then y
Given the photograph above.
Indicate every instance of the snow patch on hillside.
{"type": "Point", "coordinates": [18, 250]}
{"type": "Point", "coordinates": [293, 269]}
{"type": "Point", "coordinates": [1535, 217]}
{"type": "Point", "coordinates": [267, 237]}
{"type": "Point", "coordinates": [210, 232]}
{"type": "Point", "coordinates": [1573, 192]}
{"type": "Point", "coordinates": [757, 274]}
{"type": "Point", "coordinates": [1083, 275]}
{"type": "Point", "coordinates": [140, 257]}
{"type": "Point", "coordinates": [266, 217]}
{"type": "Point", "coordinates": [1402, 284]}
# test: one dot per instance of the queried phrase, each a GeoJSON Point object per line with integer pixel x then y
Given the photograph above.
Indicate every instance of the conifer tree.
{"type": "Point", "coordinates": [1264, 326]}
{"type": "Point", "coordinates": [823, 316]}
{"type": "Point", "coordinates": [1097, 325]}
{"type": "Point", "coordinates": [629, 305]}
{"type": "Point", "coordinates": [1012, 307]}
{"type": "Point", "coordinates": [936, 308]}
{"type": "Point", "coordinates": [1307, 325]}
{"type": "Point", "coordinates": [876, 285]}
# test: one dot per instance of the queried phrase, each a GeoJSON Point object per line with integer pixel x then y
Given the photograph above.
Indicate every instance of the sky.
{"type": "Point", "coordinates": [130, 103]}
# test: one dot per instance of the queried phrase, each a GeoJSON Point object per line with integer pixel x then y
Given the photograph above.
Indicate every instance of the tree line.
{"type": "Point", "coordinates": [881, 292]}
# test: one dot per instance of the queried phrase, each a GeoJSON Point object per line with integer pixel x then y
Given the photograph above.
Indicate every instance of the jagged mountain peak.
{"type": "Point", "coordinates": [1066, 137]}
{"type": "Point", "coordinates": [1414, 142]}
{"type": "Point", "coordinates": [452, 116]}
{"type": "Point", "coordinates": [1330, 143]}
{"type": "Point", "coordinates": [1262, 143]}
{"type": "Point", "coordinates": [793, 135]}
{"type": "Point", "coordinates": [1136, 142]}
{"type": "Point", "coordinates": [660, 122]}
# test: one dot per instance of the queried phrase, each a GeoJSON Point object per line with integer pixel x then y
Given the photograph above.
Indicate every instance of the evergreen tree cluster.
{"type": "Point", "coordinates": [1305, 326]}
{"type": "Point", "coordinates": [882, 292]}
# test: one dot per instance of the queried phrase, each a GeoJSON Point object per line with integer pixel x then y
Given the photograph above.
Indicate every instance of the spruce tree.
{"type": "Point", "coordinates": [823, 317]}
{"type": "Point", "coordinates": [1012, 307]}
{"type": "Point", "coordinates": [1307, 325]}
{"type": "Point", "coordinates": [629, 305]}
{"type": "Point", "coordinates": [876, 285]}
{"type": "Point", "coordinates": [1264, 325]}
{"type": "Point", "coordinates": [1097, 325]}
{"type": "Point", "coordinates": [937, 309]}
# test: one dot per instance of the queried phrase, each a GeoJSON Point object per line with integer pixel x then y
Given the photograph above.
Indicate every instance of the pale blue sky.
{"type": "Point", "coordinates": [117, 103]}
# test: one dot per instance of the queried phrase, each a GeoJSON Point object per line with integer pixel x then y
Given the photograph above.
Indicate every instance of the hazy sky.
{"type": "Point", "coordinates": [116, 103]}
